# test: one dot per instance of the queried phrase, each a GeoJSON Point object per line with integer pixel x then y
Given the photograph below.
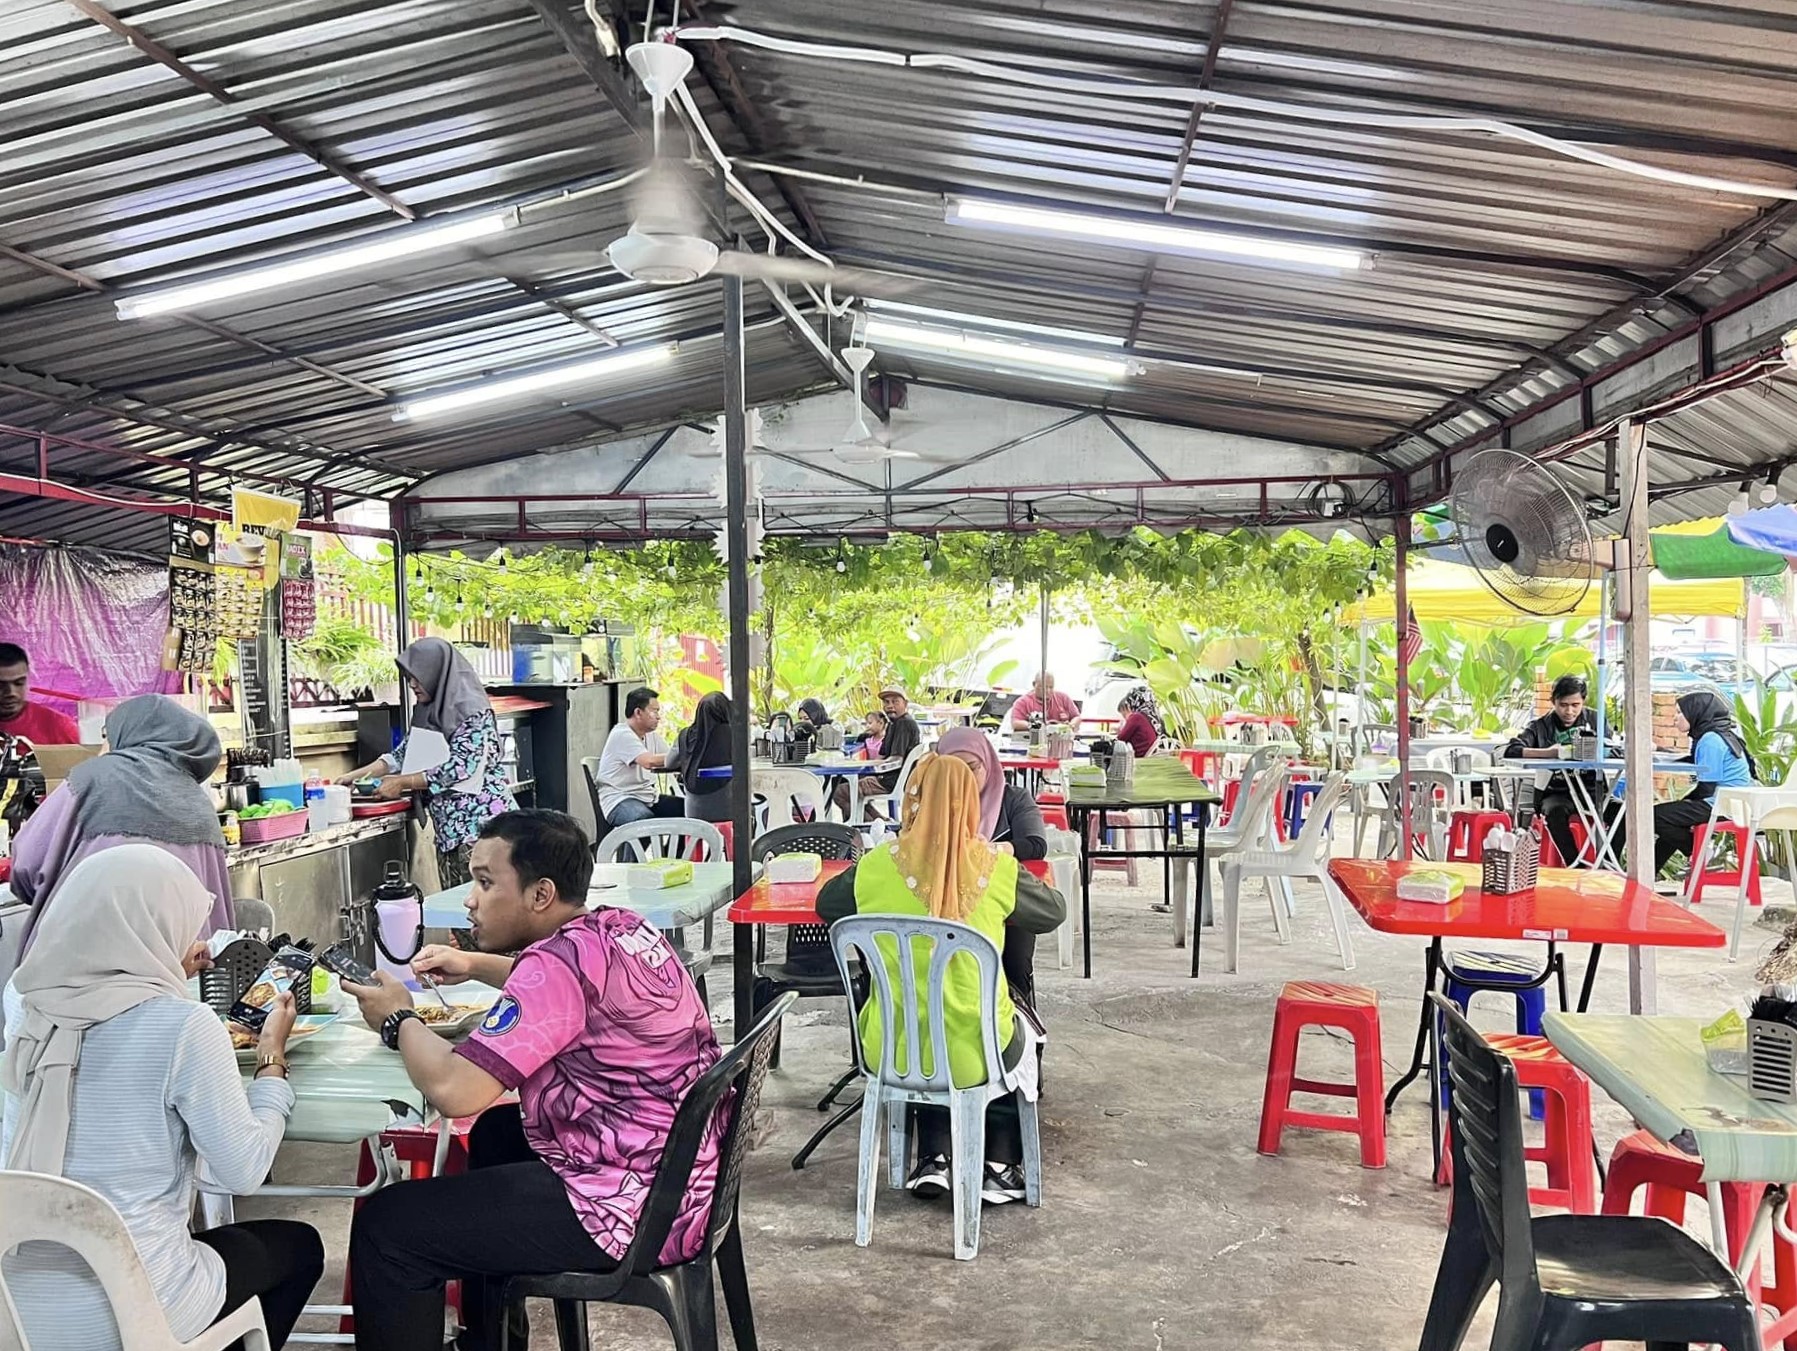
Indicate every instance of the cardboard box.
{"type": "Point", "coordinates": [57, 761]}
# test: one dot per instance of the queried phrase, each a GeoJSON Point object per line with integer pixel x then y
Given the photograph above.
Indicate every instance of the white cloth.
{"type": "Point", "coordinates": [620, 777]}
{"type": "Point", "coordinates": [117, 936]}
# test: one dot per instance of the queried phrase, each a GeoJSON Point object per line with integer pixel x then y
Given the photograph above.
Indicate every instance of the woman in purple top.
{"type": "Point", "coordinates": [148, 788]}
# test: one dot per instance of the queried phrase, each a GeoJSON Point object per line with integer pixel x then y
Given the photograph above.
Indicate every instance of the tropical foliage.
{"type": "Point", "coordinates": [1471, 678]}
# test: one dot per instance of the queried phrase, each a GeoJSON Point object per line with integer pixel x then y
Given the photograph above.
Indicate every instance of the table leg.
{"type": "Point", "coordinates": [1603, 843]}
{"type": "Point", "coordinates": [1557, 960]}
{"type": "Point", "coordinates": [817, 1138]}
{"type": "Point", "coordinates": [742, 965]}
{"type": "Point", "coordinates": [1431, 963]}
{"type": "Point", "coordinates": [1082, 822]}
{"type": "Point", "coordinates": [1198, 899]}
{"type": "Point", "coordinates": [1597, 952]}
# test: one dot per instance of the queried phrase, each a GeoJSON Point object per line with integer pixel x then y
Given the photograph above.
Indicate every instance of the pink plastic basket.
{"type": "Point", "coordinates": [266, 828]}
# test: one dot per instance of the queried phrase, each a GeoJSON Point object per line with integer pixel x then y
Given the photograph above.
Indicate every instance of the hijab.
{"type": "Point", "coordinates": [959, 740]}
{"type": "Point", "coordinates": [456, 693]}
{"type": "Point", "coordinates": [148, 784]}
{"type": "Point", "coordinates": [814, 712]}
{"type": "Point", "coordinates": [941, 855]}
{"type": "Point", "coordinates": [1706, 712]}
{"type": "Point", "coordinates": [116, 938]}
{"type": "Point", "coordinates": [706, 744]}
{"type": "Point", "coordinates": [1141, 700]}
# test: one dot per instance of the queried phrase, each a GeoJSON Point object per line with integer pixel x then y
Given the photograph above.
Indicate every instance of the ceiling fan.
{"type": "Point", "coordinates": [666, 244]}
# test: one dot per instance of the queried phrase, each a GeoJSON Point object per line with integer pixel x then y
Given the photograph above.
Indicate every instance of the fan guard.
{"type": "Point", "coordinates": [1524, 532]}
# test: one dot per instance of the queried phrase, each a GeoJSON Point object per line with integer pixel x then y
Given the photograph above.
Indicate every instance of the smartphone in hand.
{"type": "Point", "coordinates": [343, 963]}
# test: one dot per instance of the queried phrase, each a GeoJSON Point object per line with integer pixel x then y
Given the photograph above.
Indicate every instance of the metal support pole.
{"type": "Point", "coordinates": [1631, 590]}
{"type": "Point", "coordinates": [1603, 658]}
{"type": "Point", "coordinates": [1401, 622]}
{"type": "Point", "coordinates": [736, 527]}
{"type": "Point", "coordinates": [402, 600]}
{"type": "Point", "coordinates": [1043, 668]}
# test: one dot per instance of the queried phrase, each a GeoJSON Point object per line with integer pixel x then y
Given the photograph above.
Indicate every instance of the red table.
{"type": "Point", "coordinates": [1568, 906]}
{"type": "Point", "coordinates": [796, 902]}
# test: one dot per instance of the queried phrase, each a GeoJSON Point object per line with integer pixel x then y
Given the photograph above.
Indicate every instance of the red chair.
{"type": "Point", "coordinates": [1206, 765]}
{"type": "Point", "coordinates": [1721, 877]}
{"type": "Point", "coordinates": [1354, 1009]}
{"type": "Point", "coordinates": [728, 831]}
{"type": "Point", "coordinates": [1467, 831]}
{"type": "Point", "coordinates": [1671, 1176]}
{"type": "Point", "coordinates": [1550, 852]}
{"type": "Point", "coordinates": [1232, 790]}
{"type": "Point", "coordinates": [1566, 1150]}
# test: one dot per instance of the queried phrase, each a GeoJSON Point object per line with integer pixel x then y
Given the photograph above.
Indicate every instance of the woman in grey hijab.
{"type": "Point", "coordinates": [468, 789]}
{"type": "Point", "coordinates": [149, 787]}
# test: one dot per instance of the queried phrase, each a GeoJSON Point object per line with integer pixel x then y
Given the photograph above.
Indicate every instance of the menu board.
{"type": "Point", "coordinates": [299, 591]}
{"type": "Point", "coordinates": [193, 624]}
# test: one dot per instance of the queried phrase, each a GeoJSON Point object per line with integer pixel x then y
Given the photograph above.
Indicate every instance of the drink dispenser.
{"type": "Point", "coordinates": [398, 907]}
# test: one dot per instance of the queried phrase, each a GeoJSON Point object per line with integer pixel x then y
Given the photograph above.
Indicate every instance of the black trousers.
{"type": "Point", "coordinates": [1559, 811]}
{"type": "Point", "coordinates": [276, 1261]}
{"type": "Point", "coordinates": [507, 1215]}
{"type": "Point", "coordinates": [1674, 825]}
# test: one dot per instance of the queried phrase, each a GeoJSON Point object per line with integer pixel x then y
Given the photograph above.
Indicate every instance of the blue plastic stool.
{"type": "Point", "coordinates": [1470, 973]}
{"type": "Point", "coordinates": [1297, 806]}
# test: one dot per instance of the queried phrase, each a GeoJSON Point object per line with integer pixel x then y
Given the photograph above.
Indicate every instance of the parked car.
{"type": "Point", "coordinates": [1680, 671]}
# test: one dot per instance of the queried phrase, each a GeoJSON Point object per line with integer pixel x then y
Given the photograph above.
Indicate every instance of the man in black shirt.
{"type": "Point", "coordinates": [1543, 740]}
{"type": "Point", "coordinates": [902, 737]}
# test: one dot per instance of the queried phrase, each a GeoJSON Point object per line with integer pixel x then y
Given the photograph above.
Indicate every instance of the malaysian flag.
{"type": "Point", "coordinates": [1410, 646]}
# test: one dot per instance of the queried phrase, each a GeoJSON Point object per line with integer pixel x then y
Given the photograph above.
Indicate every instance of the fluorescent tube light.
{"type": "Point", "coordinates": [1125, 231]}
{"type": "Point", "coordinates": [962, 320]}
{"type": "Point", "coordinates": [971, 347]}
{"type": "Point", "coordinates": [393, 244]}
{"type": "Point", "coordinates": [613, 363]}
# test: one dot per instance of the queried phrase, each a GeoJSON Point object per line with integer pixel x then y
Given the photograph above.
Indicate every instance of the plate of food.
{"type": "Point", "coordinates": [307, 1025]}
{"type": "Point", "coordinates": [458, 1020]}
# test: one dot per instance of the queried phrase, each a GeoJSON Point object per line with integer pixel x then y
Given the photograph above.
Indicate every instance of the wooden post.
{"type": "Point", "coordinates": [1631, 597]}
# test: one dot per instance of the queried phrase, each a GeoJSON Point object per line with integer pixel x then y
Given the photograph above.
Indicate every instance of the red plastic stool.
{"type": "Point", "coordinates": [1206, 765]}
{"type": "Point", "coordinates": [1355, 1009]}
{"type": "Point", "coordinates": [1550, 852]}
{"type": "Point", "coordinates": [1231, 792]}
{"type": "Point", "coordinates": [1718, 877]}
{"type": "Point", "coordinates": [1056, 817]}
{"type": "Point", "coordinates": [1670, 1176]}
{"type": "Point", "coordinates": [1050, 797]}
{"type": "Point", "coordinates": [728, 831]}
{"type": "Point", "coordinates": [416, 1147]}
{"type": "Point", "coordinates": [1571, 1176]}
{"type": "Point", "coordinates": [1467, 831]}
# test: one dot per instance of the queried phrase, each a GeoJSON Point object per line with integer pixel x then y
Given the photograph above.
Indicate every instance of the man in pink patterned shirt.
{"type": "Point", "coordinates": [600, 1032]}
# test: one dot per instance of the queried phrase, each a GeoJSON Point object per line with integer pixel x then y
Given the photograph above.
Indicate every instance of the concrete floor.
{"type": "Point", "coordinates": [1160, 1226]}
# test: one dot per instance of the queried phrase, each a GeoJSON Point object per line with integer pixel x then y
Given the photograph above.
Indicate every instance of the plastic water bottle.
{"type": "Point", "coordinates": [317, 810]}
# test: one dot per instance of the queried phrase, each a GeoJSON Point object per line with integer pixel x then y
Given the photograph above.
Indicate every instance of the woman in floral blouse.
{"type": "Point", "coordinates": [470, 788]}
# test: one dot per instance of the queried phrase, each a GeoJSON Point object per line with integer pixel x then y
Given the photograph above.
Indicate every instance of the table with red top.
{"type": "Point", "coordinates": [1567, 906]}
{"type": "Point", "coordinates": [1031, 767]}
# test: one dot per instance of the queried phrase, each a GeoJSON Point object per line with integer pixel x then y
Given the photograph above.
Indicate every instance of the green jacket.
{"type": "Point", "coordinates": [874, 887]}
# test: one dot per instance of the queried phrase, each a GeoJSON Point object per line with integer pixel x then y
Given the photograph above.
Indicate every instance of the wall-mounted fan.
{"type": "Point", "coordinates": [1524, 532]}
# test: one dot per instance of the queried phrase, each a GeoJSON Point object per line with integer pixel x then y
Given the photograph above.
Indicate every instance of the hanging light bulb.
{"type": "Point", "coordinates": [430, 596]}
{"type": "Point", "coordinates": [1741, 503]}
{"type": "Point", "coordinates": [842, 565]}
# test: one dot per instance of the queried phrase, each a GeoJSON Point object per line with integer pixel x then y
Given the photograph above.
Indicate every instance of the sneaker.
{"type": "Point", "coordinates": [929, 1179]}
{"type": "Point", "coordinates": [1003, 1182]}
{"type": "Point", "coordinates": [1160, 907]}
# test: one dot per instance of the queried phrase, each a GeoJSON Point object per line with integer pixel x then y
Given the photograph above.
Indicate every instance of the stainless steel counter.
{"type": "Point", "coordinates": [313, 882]}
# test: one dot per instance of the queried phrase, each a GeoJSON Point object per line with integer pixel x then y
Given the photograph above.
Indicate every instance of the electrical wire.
{"type": "Point", "coordinates": [1210, 98]}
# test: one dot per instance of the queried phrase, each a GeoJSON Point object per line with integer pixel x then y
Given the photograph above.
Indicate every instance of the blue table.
{"type": "Point", "coordinates": [834, 769]}
{"type": "Point", "coordinates": [667, 908]}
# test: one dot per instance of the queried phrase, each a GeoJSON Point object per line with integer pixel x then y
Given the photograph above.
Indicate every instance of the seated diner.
{"type": "Point", "coordinates": [1722, 762]}
{"type": "Point", "coordinates": [1549, 737]}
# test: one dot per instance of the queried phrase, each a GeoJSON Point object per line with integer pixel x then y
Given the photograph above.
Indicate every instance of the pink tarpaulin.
{"type": "Point", "coordinates": [93, 622]}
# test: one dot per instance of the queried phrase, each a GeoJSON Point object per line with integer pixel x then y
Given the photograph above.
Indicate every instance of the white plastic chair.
{"type": "Point", "coordinates": [890, 1088]}
{"type": "Point", "coordinates": [1250, 827]}
{"type": "Point", "coordinates": [1308, 857]}
{"type": "Point", "coordinates": [787, 791]}
{"type": "Point", "coordinates": [1760, 809]}
{"type": "Point", "coordinates": [1063, 862]}
{"type": "Point", "coordinates": [676, 837]}
{"type": "Point", "coordinates": [889, 806]}
{"type": "Point", "coordinates": [1428, 815]}
{"type": "Point", "coordinates": [38, 1208]}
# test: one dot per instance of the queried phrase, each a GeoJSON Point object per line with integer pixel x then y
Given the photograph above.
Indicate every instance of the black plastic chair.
{"type": "Point", "coordinates": [809, 968]}
{"type": "Point", "coordinates": [589, 770]}
{"type": "Point", "coordinates": [1564, 1281]}
{"type": "Point", "coordinates": [681, 1293]}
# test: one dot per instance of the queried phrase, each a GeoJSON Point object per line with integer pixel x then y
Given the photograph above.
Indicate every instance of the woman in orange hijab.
{"type": "Point", "coordinates": [941, 865]}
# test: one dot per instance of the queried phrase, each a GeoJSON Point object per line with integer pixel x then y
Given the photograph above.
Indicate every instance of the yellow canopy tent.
{"type": "Point", "coordinates": [1451, 591]}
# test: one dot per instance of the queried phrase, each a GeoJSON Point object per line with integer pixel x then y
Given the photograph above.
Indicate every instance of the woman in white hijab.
{"type": "Point", "coordinates": [115, 1077]}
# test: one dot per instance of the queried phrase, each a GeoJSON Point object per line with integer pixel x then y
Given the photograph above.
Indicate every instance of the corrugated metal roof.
{"type": "Point", "coordinates": [1501, 273]}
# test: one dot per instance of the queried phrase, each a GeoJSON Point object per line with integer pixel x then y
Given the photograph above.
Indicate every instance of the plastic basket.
{"type": "Point", "coordinates": [1507, 871]}
{"type": "Point", "coordinates": [1772, 1060]}
{"type": "Point", "coordinates": [266, 828]}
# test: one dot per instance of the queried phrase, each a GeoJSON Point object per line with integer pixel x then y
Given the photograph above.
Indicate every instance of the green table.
{"type": "Point", "coordinates": [1162, 782]}
{"type": "Point", "coordinates": [1655, 1068]}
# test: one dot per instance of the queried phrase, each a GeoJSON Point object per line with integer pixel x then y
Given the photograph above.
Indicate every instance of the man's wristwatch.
{"type": "Point", "coordinates": [267, 1061]}
{"type": "Point", "coordinates": [390, 1027]}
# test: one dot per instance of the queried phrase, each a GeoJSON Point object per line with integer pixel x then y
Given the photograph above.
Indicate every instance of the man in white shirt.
{"type": "Point", "coordinates": [633, 753]}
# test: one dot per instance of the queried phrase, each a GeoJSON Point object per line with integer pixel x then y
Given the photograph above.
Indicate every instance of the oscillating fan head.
{"type": "Point", "coordinates": [1524, 532]}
